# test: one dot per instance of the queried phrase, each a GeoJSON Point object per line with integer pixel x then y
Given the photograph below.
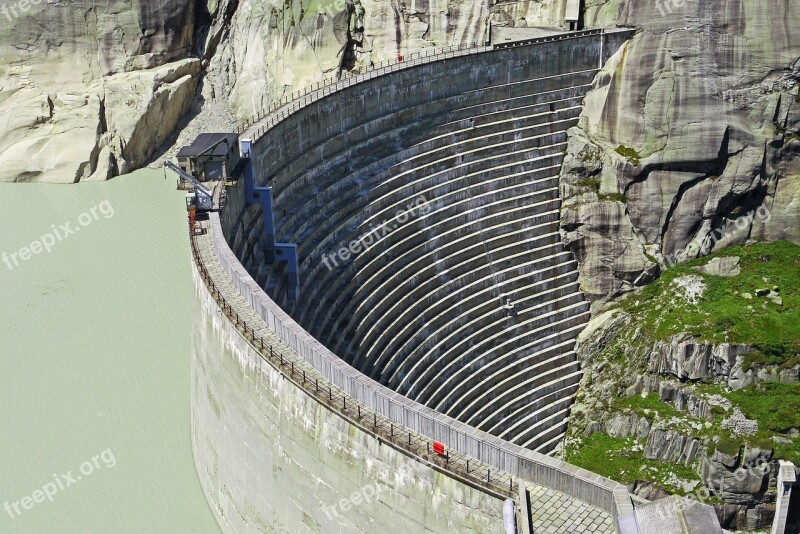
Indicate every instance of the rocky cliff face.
{"type": "Point", "coordinates": [89, 91]}
{"type": "Point", "coordinates": [688, 143]}
{"type": "Point", "coordinates": [256, 53]}
{"type": "Point", "coordinates": [693, 125]}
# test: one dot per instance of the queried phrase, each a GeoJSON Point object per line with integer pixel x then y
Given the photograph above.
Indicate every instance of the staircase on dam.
{"type": "Point", "coordinates": [430, 254]}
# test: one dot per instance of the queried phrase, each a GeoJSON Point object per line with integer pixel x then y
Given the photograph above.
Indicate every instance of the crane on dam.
{"type": "Point", "coordinates": [205, 164]}
{"type": "Point", "coordinates": [202, 198]}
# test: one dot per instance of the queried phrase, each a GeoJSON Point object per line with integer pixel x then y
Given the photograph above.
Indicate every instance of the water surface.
{"type": "Point", "coordinates": [94, 359]}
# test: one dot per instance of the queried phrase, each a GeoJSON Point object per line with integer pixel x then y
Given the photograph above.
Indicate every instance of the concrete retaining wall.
{"type": "Point", "coordinates": [518, 461]}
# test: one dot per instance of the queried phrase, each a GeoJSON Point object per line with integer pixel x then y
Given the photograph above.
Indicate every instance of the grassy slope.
{"type": "Point", "coordinates": [623, 460]}
{"type": "Point", "coordinates": [720, 315]}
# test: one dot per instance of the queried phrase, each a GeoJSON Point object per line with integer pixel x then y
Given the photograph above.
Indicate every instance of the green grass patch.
{"type": "Point", "coordinates": [781, 355]}
{"type": "Point", "coordinates": [607, 456]}
{"type": "Point", "coordinates": [615, 459]}
{"type": "Point", "coordinates": [723, 315]}
{"type": "Point", "coordinates": [629, 153]}
{"type": "Point", "coordinates": [643, 405]}
{"type": "Point", "coordinates": [728, 445]}
{"type": "Point", "coordinates": [775, 406]}
{"type": "Point", "coordinates": [589, 183]}
{"type": "Point", "coordinates": [789, 451]}
{"type": "Point", "coordinates": [616, 197]}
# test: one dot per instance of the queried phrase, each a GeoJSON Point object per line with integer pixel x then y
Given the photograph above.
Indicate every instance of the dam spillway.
{"type": "Point", "coordinates": [470, 305]}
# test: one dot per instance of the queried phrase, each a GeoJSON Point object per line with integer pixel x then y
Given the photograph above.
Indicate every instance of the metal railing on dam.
{"type": "Point", "coordinates": [315, 384]}
{"type": "Point", "coordinates": [373, 399]}
{"type": "Point", "coordinates": [299, 99]}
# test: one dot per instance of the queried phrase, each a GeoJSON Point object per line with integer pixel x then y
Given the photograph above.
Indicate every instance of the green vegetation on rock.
{"type": "Point", "coordinates": [728, 445]}
{"type": "Point", "coordinates": [589, 183]}
{"type": "Point", "coordinates": [754, 301]}
{"type": "Point", "coordinates": [629, 153]}
{"type": "Point", "coordinates": [643, 405]}
{"type": "Point", "coordinates": [616, 197]}
{"type": "Point", "coordinates": [788, 451]}
{"type": "Point", "coordinates": [723, 313]}
{"type": "Point", "coordinates": [775, 406]}
{"type": "Point", "coordinates": [623, 460]}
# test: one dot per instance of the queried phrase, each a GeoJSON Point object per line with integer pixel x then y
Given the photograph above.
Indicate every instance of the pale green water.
{"type": "Point", "coordinates": [94, 355]}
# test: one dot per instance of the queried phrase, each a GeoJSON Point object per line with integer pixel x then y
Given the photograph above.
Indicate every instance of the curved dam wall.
{"type": "Point", "coordinates": [272, 459]}
{"type": "Point", "coordinates": [425, 207]}
{"type": "Point", "coordinates": [273, 455]}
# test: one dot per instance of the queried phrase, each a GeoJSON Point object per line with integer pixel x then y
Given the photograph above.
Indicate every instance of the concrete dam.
{"type": "Point", "coordinates": [384, 313]}
{"type": "Point", "coordinates": [425, 206]}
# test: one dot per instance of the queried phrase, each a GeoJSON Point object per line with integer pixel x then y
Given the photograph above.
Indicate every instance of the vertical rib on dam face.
{"type": "Point", "coordinates": [425, 207]}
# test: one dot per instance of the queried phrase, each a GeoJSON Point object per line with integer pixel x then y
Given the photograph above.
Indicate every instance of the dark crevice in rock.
{"type": "Point", "coordinates": [684, 187]}
{"type": "Point", "coordinates": [102, 127]}
{"type": "Point", "coordinates": [717, 168]}
{"type": "Point", "coordinates": [221, 28]}
{"type": "Point", "coordinates": [712, 167]}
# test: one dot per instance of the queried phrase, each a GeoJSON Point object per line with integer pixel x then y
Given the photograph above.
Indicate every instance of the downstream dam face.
{"type": "Point", "coordinates": [410, 379]}
{"type": "Point", "coordinates": [425, 208]}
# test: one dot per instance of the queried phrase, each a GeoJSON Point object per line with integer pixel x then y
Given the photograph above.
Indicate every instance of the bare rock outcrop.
{"type": "Point", "coordinates": [686, 358]}
{"type": "Point", "coordinates": [670, 446]}
{"type": "Point", "coordinates": [737, 481]}
{"type": "Point", "coordinates": [88, 91]}
{"type": "Point", "coordinates": [83, 93]}
{"type": "Point", "coordinates": [680, 151]}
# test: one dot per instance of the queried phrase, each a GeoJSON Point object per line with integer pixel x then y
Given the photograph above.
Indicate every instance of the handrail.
{"type": "Point", "coordinates": [393, 408]}
{"type": "Point", "coordinates": [327, 86]}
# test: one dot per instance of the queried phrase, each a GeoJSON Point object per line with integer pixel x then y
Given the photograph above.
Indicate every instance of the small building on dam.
{"type": "Point", "coordinates": [385, 315]}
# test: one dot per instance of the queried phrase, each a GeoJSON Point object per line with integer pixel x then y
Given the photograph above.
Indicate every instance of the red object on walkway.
{"type": "Point", "coordinates": [399, 58]}
{"type": "Point", "coordinates": [438, 448]}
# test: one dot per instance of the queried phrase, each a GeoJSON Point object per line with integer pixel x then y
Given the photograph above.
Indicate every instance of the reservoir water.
{"type": "Point", "coordinates": [95, 326]}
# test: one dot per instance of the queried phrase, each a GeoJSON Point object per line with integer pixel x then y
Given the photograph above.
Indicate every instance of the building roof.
{"type": "Point", "coordinates": [205, 140]}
